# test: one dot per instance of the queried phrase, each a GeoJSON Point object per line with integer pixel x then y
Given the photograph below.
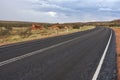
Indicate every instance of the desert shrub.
{"type": "Point", "coordinates": [76, 26]}
{"type": "Point", "coordinates": [25, 33]}
{"type": "Point", "coordinates": [46, 25]}
{"type": "Point", "coordinates": [5, 31]}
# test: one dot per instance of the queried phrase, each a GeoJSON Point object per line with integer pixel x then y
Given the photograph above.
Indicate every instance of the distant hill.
{"type": "Point", "coordinates": [28, 24]}
{"type": "Point", "coordinates": [19, 23]}
{"type": "Point", "coordinates": [116, 21]}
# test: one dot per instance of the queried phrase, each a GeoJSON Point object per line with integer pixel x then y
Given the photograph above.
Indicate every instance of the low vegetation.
{"type": "Point", "coordinates": [15, 34]}
{"type": "Point", "coordinates": [13, 31]}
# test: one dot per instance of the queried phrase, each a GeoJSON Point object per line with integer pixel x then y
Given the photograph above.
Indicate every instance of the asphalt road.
{"type": "Point", "coordinates": [69, 57]}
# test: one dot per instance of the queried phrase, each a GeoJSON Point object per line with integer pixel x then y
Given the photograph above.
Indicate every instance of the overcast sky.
{"type": "Point", "coordinates": [59, 10]}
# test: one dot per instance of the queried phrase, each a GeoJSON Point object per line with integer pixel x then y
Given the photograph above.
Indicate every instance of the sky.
{"type": "Point", "coordinates": [59, 11]}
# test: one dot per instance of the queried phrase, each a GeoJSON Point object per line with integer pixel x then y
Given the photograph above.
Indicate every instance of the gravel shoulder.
{"type": "Point", "coordinates": [117, 31]}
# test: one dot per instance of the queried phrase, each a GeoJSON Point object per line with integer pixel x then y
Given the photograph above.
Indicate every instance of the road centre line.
{"type": "Point", "coordinates": [35, 52]}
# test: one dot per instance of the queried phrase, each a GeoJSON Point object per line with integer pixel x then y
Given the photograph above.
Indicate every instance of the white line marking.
{"type": "Point", "coordinates": [35, 52]}
{"type": "Point", "coordinates": [102, 59]}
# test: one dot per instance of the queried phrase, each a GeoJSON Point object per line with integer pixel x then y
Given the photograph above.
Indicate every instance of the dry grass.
{"type": "Point", "coordinates": [23, 34]}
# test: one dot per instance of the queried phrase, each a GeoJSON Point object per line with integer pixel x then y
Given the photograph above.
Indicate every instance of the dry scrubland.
{"type": "Point", "coordinates": [10, 35]}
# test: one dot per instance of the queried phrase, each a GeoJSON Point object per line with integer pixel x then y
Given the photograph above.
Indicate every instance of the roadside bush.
{"type": "Point", "coordinates": [76, 26]}
{"type": "Point", "coordinates": [25, 33]}
{"type": "Point", "coordinates": [5, 31]}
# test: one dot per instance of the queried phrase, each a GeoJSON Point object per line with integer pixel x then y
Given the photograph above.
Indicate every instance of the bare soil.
{"type": "Point", "coordinates": [117, 31]}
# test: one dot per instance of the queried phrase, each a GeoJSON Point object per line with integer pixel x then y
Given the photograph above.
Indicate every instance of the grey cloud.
{"type": "Point", "coordinates": [66, 10]}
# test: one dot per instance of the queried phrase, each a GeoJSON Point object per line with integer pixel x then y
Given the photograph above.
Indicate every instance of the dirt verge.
{"type": "Point", "coordinates": [117, 31]}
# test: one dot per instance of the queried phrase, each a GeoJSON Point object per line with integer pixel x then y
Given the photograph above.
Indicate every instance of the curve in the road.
{"type": "Point", "coordinates": [69, 57]}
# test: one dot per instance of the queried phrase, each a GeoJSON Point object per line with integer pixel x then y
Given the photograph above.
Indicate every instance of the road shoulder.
{"type": "Point", "coordinates": [117, 31]}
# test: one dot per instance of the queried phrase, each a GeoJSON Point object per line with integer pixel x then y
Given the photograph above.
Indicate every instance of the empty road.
{"type": "Point", "coordinates": [74, 56]}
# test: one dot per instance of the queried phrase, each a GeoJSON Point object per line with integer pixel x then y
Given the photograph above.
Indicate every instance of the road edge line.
{"type": "Point", "coordinates": [95, 76]}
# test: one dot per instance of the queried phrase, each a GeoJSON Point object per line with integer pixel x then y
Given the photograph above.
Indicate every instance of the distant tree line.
{"type": "Point", "coordinates": [21, 24]}
{"type": "Point", "coordinates": [46, 25]}
{"type": "Point", "coordinates": [15, 24]}
{"type": "Point", "coordinates": [110, 24]}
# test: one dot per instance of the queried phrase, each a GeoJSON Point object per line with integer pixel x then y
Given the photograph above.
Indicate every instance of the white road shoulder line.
{"type": "Point", "coordinates": [102, 59]}
{"type": "Point", "coordinates": [33, 53]}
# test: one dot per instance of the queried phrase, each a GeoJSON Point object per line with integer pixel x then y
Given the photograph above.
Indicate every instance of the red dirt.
{"type": "Point", "coordinates": [117, 31]}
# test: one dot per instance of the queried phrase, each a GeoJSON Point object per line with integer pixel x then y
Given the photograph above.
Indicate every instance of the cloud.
{"type": "Point", "coordinates": [71, 7]}
{"type": "Point", "coordinates": [59, 10]}
{"type": "Point", "coordinates": [52, 14]}
{"type": "Point", "coordinates": [105, 9]}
